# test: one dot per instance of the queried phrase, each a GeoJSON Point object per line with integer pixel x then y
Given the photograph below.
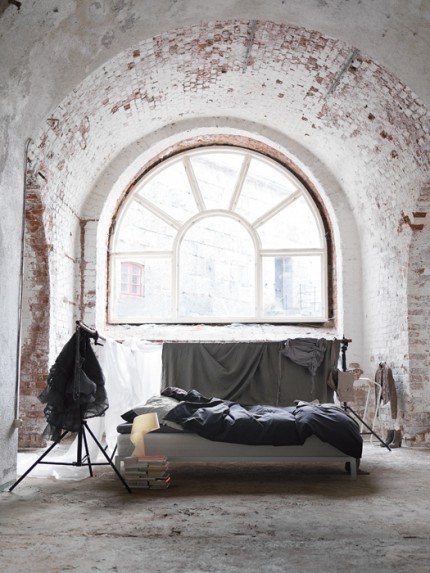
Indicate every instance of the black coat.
{"type": "Point", "coordinates": [75, 388]}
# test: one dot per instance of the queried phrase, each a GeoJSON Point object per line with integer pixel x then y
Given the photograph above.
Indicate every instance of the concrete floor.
{"type": "Point", "coordinates": [225, 518]}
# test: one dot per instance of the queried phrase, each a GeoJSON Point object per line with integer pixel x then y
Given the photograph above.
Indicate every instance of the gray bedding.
{"type": "Point", "coordinates": [227, 421]}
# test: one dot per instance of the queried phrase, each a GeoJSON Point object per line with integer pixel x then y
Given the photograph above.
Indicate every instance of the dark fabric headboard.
{"type": "Point", "coordinates": [249, 372]}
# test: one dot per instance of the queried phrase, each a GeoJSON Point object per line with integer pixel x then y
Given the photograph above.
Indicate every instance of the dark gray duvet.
{"type": "Point", "coordinates": [226, 421]}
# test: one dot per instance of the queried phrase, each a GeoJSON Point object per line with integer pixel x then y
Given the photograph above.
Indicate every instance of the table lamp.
{"type": "Point", "coordinates": [142, 425]}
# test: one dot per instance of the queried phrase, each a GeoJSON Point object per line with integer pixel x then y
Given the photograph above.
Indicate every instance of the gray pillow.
{"type": "Point", "coordinates": [159, 404]}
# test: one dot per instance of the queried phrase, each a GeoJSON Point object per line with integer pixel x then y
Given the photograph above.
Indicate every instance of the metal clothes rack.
{"type": "Point", "coordinates": [347, 408]}
{"type": "Point", "coordinates": [373, 388]}
{"type": "Point", "coordinates": [90, 332]}
{"type": "Point", "coordinates": [83, 457]}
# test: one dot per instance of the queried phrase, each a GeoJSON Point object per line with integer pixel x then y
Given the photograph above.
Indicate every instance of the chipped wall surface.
{"type": "Point", "coordinates": [417, 397]}
{"type": "Point", "coordinates": [105, 89]}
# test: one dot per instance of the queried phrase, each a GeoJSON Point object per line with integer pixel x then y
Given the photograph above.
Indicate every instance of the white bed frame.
{"type": "Point", "coordinates": [188, 447]}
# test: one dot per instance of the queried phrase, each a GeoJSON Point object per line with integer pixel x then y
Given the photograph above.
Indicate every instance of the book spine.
{"type": "Point", "coordinates": [146, 459]}
{"type": "Point", "coordinates": [145, 475]}
{"type": "Point", "coordinates": [148, 484]}
{"type": "Point", "coordinates": [145, 462]}
{"type": "Point", "coordinates": [146, 469]}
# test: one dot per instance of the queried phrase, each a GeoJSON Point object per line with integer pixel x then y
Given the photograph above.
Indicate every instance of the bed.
{"type": "Point", "coordinates": [197, 428]}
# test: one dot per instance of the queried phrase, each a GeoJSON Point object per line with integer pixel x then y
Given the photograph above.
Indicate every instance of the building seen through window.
{"type": "Point", "coordinates": [131, 279]}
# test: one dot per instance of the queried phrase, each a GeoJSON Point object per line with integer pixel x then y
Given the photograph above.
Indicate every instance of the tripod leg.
{"type": "Point", "coordinates": [87, 457]}
{"type": "Point", "coordinates": [51, 447]}
{"type": "Point", "coordinates": [79, 448]}
{"type": "Point", "coordinates": [346, 407]}
{"type": "Point", "coordinates": [107, 458]}
{"type": "Point", "coordinates": [114, 452]}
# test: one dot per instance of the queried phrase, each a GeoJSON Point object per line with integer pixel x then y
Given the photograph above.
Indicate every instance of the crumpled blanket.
{"type": "Point", "coordinates": [225, 421]}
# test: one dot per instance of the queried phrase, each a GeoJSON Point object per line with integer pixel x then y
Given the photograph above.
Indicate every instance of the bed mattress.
{"type": "Point", "coordinates": [189, 447]}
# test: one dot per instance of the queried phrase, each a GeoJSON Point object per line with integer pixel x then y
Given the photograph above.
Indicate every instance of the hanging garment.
{"type": "Point", "coordinates": [317, 356]}
{"type": "Point", "coordinates": [384, 377]}
{"type": "Point", "coordinates": [75, 388]}
{"type": "Point", "coordinates": [306, 352]}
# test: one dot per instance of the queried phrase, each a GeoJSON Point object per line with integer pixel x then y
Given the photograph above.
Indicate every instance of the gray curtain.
{"type": "Point", "coordinates": [250, 372]}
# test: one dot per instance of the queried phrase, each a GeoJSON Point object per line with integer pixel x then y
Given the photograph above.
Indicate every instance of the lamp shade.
{"type": "Point", "coordinates": [142, 425]}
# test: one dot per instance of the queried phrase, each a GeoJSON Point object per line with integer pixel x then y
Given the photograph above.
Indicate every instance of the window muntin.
{"type": "Point", "coordinates": [139, 230]}
{"type": "Point", "coordinates": [217, 175]}
{"type": "Point", "coordinates": [225, 235]}
{"type": "Point", "coordinates": [264, 188]}
{"type": "Point", "coordinates": [292, 227]}
{"type": "Point", "coordinates": [169, 191]}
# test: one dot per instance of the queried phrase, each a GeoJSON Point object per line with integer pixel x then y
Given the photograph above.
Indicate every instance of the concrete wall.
{"type": "Point", "coordinates": [338, 88]}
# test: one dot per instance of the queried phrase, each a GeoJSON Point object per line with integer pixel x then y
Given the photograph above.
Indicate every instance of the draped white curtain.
{"type": "Point", "coordinates": [132, 371]}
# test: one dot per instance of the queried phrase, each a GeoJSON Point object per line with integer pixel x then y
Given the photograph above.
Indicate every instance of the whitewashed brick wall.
{"type": "Point", "coordinates": [359, 133]}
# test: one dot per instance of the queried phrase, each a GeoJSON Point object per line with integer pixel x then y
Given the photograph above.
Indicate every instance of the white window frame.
{"type": "Point", "coordinates": [115, 257]}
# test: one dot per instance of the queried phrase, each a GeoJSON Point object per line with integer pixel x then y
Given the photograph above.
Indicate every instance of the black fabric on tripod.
{"type": "Point", "coordinates": [75, 388]}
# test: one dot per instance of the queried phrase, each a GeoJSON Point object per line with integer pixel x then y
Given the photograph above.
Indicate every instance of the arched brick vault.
{"type": "Point", "coordinates": [353, 128]}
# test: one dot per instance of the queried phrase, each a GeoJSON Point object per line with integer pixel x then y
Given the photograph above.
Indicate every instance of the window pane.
{"type": "Point", "coordinates": [217, 174]}
{"type": "Point", "coordinates": [292, 286]}
{"type": "Point", "coordinates": [141, 230]}
{"type": "Point", "coordinates": [217, 270]}
{"type": "Point", "coordinates": [263, 189]}
{"type": "Point", "coordinates": [155, 301]}
{"type": "Point", "coordinates": [293, 227]}
{"type": "Point", "coordinates": [170, 190]}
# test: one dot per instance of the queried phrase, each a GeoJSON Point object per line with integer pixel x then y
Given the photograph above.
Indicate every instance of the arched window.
{"type": "Point", "coordinates": [217, 235]}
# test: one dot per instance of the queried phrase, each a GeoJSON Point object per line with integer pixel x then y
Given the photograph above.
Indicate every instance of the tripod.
{"type": "Point", "coordinates": [75, 392]}
{"type": "Point", "coordinates": [347, 408]}
{"type": "Point", "coordinates": [80, 460]}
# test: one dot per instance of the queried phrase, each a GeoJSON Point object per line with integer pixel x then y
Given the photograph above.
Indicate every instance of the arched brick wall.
{"type": "Point", "coordinates": [354, 126]}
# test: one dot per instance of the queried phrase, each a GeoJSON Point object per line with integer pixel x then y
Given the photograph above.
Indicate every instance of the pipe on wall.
{"type": "Point", "coordinates": [17, 421]}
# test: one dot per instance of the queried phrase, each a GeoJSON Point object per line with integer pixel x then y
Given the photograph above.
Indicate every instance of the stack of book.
{"type": "Point", "coordinates": [149, 472]}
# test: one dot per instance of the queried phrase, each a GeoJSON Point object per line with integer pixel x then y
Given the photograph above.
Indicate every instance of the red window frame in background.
{"type": "Point", "coordinates": [132, 270]}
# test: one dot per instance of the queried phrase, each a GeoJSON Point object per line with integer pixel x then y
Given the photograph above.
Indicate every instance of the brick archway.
{"type": "Point", "coordinates": [349, 118]}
